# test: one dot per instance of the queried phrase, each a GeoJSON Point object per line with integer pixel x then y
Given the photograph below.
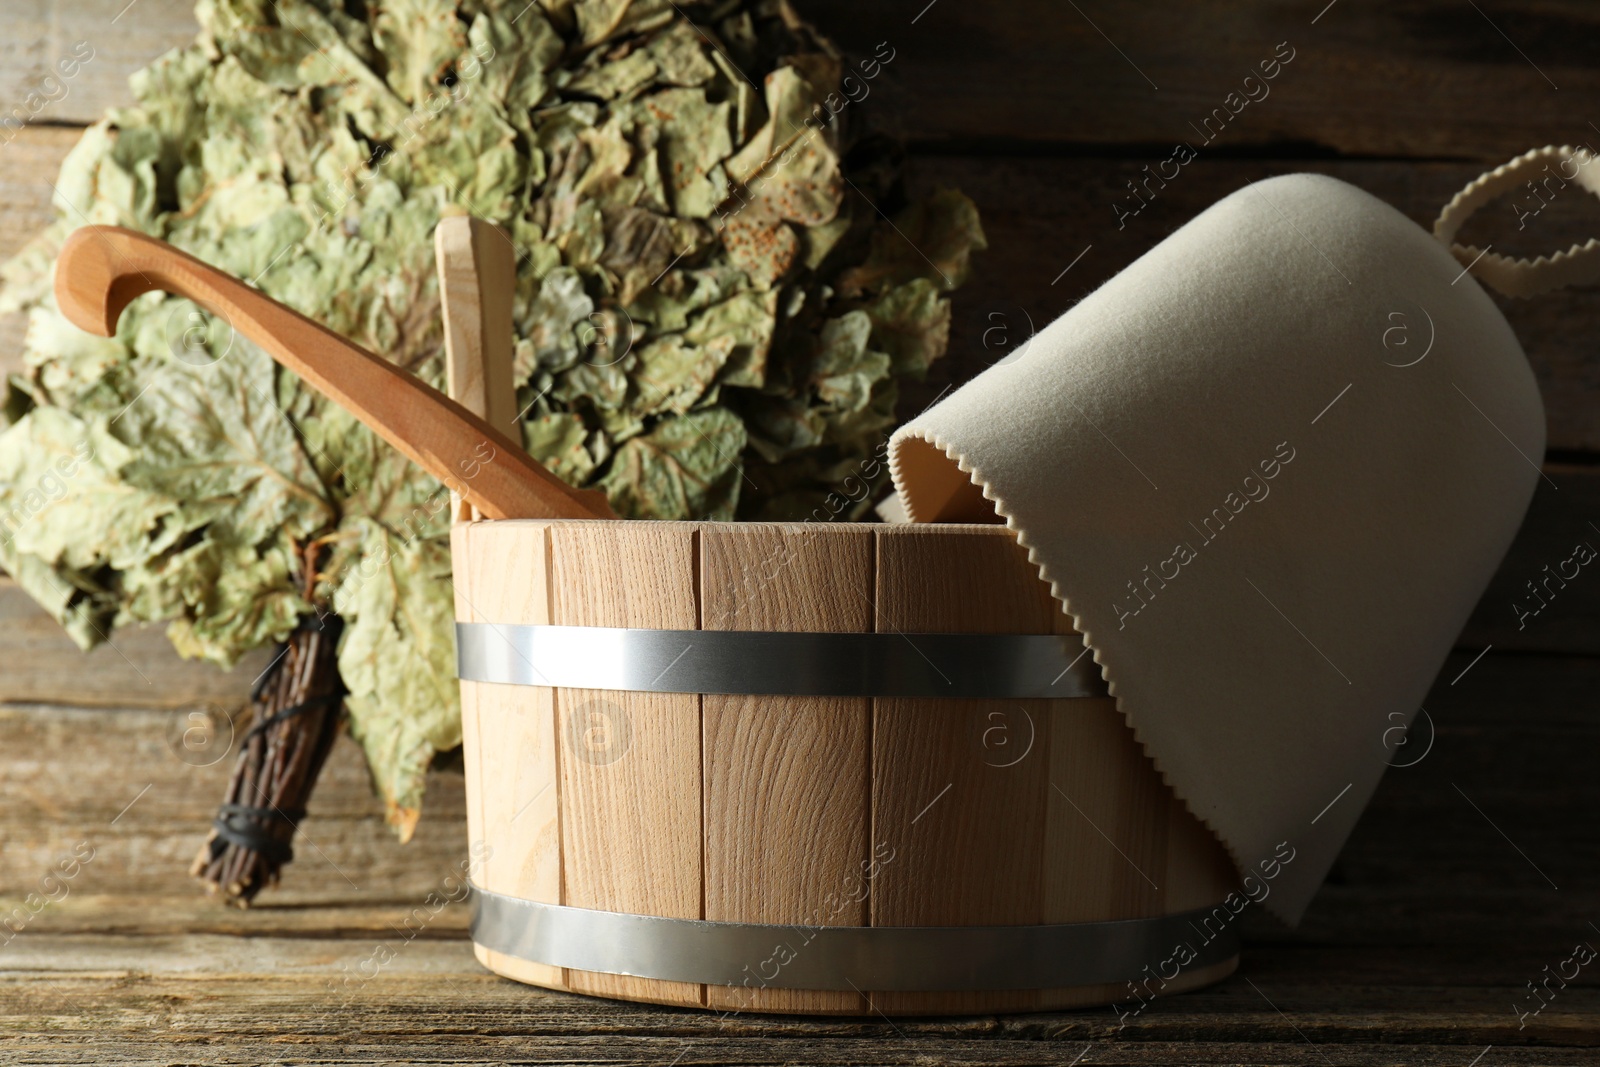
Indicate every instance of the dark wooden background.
{"type": "Point", "coordinates": [1472, 871]}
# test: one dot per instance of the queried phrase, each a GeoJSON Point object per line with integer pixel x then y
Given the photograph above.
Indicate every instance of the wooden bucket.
{"type": "Point", "coordinates": [818, 854]}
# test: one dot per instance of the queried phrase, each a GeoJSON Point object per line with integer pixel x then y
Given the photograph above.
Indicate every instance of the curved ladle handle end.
{"type": "Point", "coordinates": [96, 278]}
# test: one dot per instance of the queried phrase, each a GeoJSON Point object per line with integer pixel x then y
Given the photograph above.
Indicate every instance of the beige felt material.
{"type": "Point", "coordinates": [1268, 469]}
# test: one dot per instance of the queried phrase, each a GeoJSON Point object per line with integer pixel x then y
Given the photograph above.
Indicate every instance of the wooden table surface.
{"type": "Point", "coordinates": [1473, 875]}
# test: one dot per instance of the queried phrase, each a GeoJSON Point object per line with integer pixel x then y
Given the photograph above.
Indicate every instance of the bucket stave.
{"type": "Point", "coordinates": [808, 811]}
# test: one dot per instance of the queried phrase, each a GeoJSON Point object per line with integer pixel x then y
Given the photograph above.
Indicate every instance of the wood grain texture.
{"type": "Point", "coordinates": [156, 1003]}
{"type": "Point", "coordinates": [142, 670]}
{"type": "Point", "coordinates": [787, 808]}
{"type": "Point", "coordinates": [32, 160]}
{"type": "Point", "coordinates": [509, 732]}
{"type": "Point", "coordinates": [965, 818]}
{"type": "Point", "coordinates": [1418, 79]}
{"type": "Point", "coordinates": [1198, 871]}
{"type": "Point", "coordinates": [1107, 839]}
{"type": "Point", "coordinates": [1109, 853]}
{"type": "Point", "coordinates": [471, 717]}
{"type": "Point", "coordinates": [1528, 606]}
{"type": "Point", "coordinates": [125, 780]}
{"type": "Point", "coordinates": [477, 268]}
{"type": "Point", "coordinates": [630, 763]}
{"type": "Point", "coordinates": [118, 37]}
{"type": "Point", "coordinates": [1424, 78]}
{"type": "Point", "coordinates": [1040, 213]}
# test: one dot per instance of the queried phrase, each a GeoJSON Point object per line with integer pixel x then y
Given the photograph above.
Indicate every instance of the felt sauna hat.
{"type": "Point", "coordinates": [1268, 470]}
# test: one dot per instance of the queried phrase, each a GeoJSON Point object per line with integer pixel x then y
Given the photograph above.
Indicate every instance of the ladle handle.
{"type": "Point", "coordinates": [102, 268]}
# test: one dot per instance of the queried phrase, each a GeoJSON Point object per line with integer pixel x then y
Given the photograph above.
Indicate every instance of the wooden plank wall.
{"type": "Point", "coordinates": [1412, 80]}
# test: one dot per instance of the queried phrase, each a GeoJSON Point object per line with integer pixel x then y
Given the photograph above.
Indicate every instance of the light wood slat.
{"type": "Point", "coordinates": [508, 735]}
{"type": "Point", "coordinates": [967, 835]}
{"type": "Point", "coordinates": [1107, 841]}
{"type": "Point", "coordinates": [471, 735]}
{"type": "Point", "coordinates": [512, 793]}
{"type": "Point", "coordinates": [786, 778]}
{"type": "Point", "coordinates": [636, 847]}
{"type": "Point", "coordinates": [1110, 853]}
{"type": "Point", "coordinates": [477, 282]}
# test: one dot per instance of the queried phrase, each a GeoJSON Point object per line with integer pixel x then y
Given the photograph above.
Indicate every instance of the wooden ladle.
{"type": "Point", "coordinates": [103, 268]}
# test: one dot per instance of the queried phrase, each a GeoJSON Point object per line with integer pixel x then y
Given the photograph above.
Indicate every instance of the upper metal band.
{"type": "Point", "coordinates": [860, 957]}
{"type": "Point", "coordinates": [778, 664]}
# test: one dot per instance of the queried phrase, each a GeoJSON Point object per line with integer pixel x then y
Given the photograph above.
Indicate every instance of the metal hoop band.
{"type": "Point", "coordinates": [778, 664]}
{"type": "Point", "coordinates": [860, 957]}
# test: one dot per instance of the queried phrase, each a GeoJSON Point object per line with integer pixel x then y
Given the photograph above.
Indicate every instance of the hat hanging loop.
{"type": "Point", "coordinates": [1578, 265]}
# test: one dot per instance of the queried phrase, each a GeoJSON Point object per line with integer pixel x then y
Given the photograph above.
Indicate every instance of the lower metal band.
{"type": "Point", "coordinates": [925, 958]}
{"type": "Point", "coordinates": [778, 664]}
